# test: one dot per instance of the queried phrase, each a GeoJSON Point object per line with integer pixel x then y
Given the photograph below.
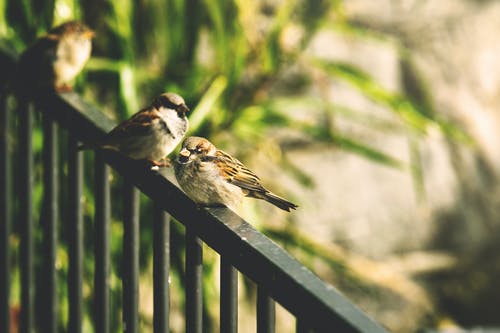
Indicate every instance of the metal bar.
{"type": "Point", "coordinates": [5, 222]}
{"type": "Point", "coordinates": [194, 271]}
{"type": "Point", "coordinates": [266, 313]}
{"type": "Point", "coordinates": [101, 247]}
{"type": "Point", "coordinates": [25, 113]}
{"type": "Point", "coordinates": [49, 307]}
{"type": "Point", "coordinates": [228, 297]}
{"type": "Point", "coordinates": [75, 239]}
{"type": "Point", "coordinates": [130, 258]}
{"type": "Point", "coordinates": [292, 285]}
{"type": "Point", "coordinates": [302, 327]}
{"type": "Point", "coordinates": [161, 270]}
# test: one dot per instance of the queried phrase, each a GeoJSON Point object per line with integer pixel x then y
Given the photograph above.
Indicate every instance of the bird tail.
{"type": "Point", "coordinates": [276, 200]}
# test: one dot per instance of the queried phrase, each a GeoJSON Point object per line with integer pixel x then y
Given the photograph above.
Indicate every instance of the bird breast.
{"type": "Point", "coordinates": [72, 54]}
{"type": "Point", "coordinates": [203, 183]}
{"type": "Point", "coordinates": [167, 132]}
{"type": "Point", "coordinates": [174, 124]}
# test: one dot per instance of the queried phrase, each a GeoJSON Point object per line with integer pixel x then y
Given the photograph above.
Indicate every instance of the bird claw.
{"type": "Point", "coordinates": [63, 88]}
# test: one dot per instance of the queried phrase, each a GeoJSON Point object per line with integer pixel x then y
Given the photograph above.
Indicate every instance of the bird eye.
{"type": "Point", "coordinates": [197, 150]}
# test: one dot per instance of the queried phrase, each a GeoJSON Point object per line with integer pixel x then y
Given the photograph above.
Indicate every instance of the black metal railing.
{"type": "Point", "coordinates": [317, 306]}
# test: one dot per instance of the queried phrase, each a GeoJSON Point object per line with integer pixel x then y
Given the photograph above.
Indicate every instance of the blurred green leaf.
{"type": "Point", "coordinates": [298, 174]}
{"type": "Point", "coordinates": [65, 10]}
{"type": "Point", "coordinates": [3, 19]}
{"type": "Point", "coordinates": [127, 88]}
{"type": "Point", "coordinates": [254, 122]}
{"type": "Point", "coordinates": [415, 116]}
{"type": "Point", "coordinates": [373, 90]}
{"type": "Point", "coordinates": [369, 152]}
{"type": "Point", "coordinates": [206, 105]}
{"type": "Point", "coordinates": [103, 64]}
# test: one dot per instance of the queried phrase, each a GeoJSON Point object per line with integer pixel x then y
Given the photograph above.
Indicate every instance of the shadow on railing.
{"type": "Point", "coordinates": [317, 306]}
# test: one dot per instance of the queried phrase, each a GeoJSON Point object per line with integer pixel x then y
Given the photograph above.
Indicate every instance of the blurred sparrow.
{"type": "Point", "coordinates": [150, 134]}
{"type": "Point", "coordinates": [212, 177]}
{"type": "Point", "coordinates": [55, 59]}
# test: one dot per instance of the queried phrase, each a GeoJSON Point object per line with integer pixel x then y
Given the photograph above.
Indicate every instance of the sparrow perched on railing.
{"type": "Point", "coordinates": [55, 59]}
{"type": "Point", "coordinates": [212, 177]}
{"type": "Point", "coordinates": [150, 134]}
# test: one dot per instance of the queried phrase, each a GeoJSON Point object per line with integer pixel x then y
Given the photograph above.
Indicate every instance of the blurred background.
{"type": "Point", "coordinates": [379, 118]}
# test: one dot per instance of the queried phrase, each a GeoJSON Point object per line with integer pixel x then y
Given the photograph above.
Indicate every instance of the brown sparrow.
{"type": "Point", "coordinates": [55, 59]}
{"type": "Point", "coordinates": [212, 177]}
{"type": "Point", "coordinates": [150, 134]}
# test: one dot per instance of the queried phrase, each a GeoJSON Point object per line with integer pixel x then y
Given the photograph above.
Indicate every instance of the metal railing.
{"type": "Point", "coordinates": [317, 306]}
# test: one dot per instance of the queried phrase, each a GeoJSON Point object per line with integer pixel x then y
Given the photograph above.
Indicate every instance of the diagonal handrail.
{"type": "Point", "coordinates": [314, 302]}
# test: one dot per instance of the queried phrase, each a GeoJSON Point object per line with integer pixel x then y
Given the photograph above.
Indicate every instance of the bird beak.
{"type": "Point", "coordinates": [183, 157]}
{"type": "Point", "coordinates": [52, 37]}
{"type": "Point", "coordinates": [89, 34]}
{"type": "Point", "coordinates": [183, 108]}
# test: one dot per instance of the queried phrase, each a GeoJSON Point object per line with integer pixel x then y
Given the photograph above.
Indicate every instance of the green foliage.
{"type": "Point", "coordinates": [226, 57]}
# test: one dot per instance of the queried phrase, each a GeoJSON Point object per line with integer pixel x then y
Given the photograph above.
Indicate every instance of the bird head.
{"type": "Point", "coordinates": [194, 148]}
{"type": "Point", "coordinates": [172, 101]}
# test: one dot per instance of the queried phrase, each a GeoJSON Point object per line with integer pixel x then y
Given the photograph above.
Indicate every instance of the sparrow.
{"type": "Point", "coordinates": [211, 177]}
{"type": "Point", "coordinates": [55, 59]}
{"type": "Point", "coordinates": [150, 134]}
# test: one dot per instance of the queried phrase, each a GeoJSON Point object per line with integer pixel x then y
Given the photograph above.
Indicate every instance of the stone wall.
{"type": "Point", "coordinates": [381, 213]}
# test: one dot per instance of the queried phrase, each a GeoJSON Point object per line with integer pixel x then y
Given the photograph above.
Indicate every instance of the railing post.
{"type": "Point", "coordinates": [5, 222]}
{"type": "Point", "coordinates": [228, 297]}
{"type": "Point", "coordinates": [101, 247]}
{"type": "Point", "coordinates": [301, 327]}
{"type": "Point", "coordinates": [49, 306]}
{"type": "Point", "coordinates": [161, 270]}
{"type": "Point", "coordinates": [265, 312]}
{"type": "Point", "coordinates": [75, 236]}
{"type": "Point", "coordinates": [194, 272]}
{"type": "Point", "coordinates": [130, 258]}
{"type": "Point", "coordinates": [276, 273]}
{"type": "Point", "coordinates": [25, 113]}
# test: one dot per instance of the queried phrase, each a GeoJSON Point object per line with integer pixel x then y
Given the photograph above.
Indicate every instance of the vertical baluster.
{"type": "Point", "coordinates": [25, 113]}
{"type": "Point", "coordinates": [265, 312]}
{"type": "Point", "coordinates": [130, 258]}
{"type": "Point", "coordinates": [101, 247]}
{"type": "Point", "coordinates": [228, 297]}
{"type": "Point", "coordinates": [194, 270]}
{"type": "Point", "coordinates": [301, 327]}
{"type": "Point", "coordinates": [161, 270]}
{"type": "Point", "coordinates": [4, 214]}
{"type": "Point", "coordinates": [75, 239]}
{"type": "Point", "coordinates": [49, 224]}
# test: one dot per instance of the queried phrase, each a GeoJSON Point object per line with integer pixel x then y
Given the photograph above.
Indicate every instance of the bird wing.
{"type": "Point", "coordinates": [236, 173]}
{"type": "Point", "coordinates": [138, 125]}
{"type": "Point", "coordinates": [36, 61]}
